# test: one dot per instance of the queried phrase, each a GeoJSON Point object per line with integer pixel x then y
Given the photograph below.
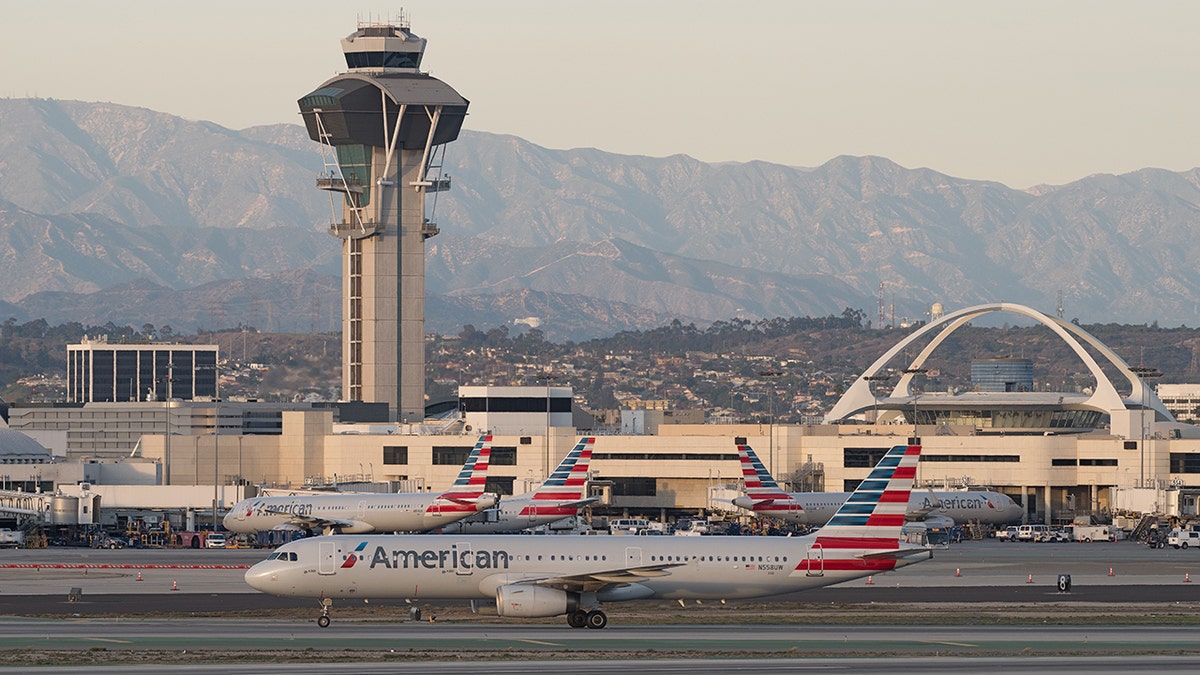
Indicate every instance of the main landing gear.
{"type": "Point", "coordinates": [326, 605]}
{"type": "Point", "coordinates": [582, 619]}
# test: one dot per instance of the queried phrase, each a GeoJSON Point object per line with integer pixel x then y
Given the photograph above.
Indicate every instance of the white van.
{"type": "Point", "coordinates": [627, 525]}
{"type": "Point", "coordinates": [1184, 539]}
{"type": "Point", "coordinates": [1032, 532]}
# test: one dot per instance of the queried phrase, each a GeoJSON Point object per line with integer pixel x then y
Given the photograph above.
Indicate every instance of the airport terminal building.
{"type": "Point", "coordinates": [1060, 454]}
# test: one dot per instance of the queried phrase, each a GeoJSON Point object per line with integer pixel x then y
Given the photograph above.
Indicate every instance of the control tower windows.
{"type": "Point", "coordinates": [383, 59]}
{"type": "Point", "coordinates": [354, 161]}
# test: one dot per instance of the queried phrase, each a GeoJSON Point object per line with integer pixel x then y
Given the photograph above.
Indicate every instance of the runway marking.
{"type": "Point", "coordinates": [120, 642]}
{"type": "Point", "coordinates": [951, 644]}
{"type": "Point", "coordinates": [539, 642]}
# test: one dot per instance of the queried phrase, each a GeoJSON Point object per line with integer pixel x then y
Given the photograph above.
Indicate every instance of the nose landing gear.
{"type": "Point", "coordinates": [326, 605]}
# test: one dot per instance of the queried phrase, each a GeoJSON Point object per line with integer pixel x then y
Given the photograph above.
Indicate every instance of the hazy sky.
{"type": "Point", "coordinates": [1019, 92]}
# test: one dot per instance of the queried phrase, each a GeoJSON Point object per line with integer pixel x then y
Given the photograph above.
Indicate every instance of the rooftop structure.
{"type": "Point", "coordinates": [1127, 415]}
{"type": "Point", "coordinates": [99, 372]}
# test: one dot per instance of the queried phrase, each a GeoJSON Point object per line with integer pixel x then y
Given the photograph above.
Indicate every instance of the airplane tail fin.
{"type": "Point", "coordinates": [760, 486]}
{"type": "Point", "coordinates": [569, 479]}
{"type": "Point", "coordinates": [872, 516]}
{"type": "Point", "coordinates": [563, 491]}
{"type": "Point", "coordinates": [472, 479]}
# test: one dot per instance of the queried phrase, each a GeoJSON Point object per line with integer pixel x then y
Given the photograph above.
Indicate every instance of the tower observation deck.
{"type": "Point", "coordinates": [383, 126]}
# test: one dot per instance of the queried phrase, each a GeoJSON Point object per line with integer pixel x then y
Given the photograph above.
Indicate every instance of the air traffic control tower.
{"type": "Point", "coordinates": [383, 126]}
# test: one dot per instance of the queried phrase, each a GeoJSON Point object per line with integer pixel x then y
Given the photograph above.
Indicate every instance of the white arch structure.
{"type": "Point", "coordinates": [1105, 397]}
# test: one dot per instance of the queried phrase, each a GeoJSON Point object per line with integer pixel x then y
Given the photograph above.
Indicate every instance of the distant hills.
{"type": "Point", "coordinates": [110, 212]}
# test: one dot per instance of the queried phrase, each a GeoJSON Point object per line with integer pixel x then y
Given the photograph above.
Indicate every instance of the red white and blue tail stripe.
{"type": "Point", "coordinates": [763, 494]}
{"type": "Point", "coordinates": [563, 491]}
{"type": "Point", "coordinates": [864, 535]}
{"type": "Point", "coordinates": [472, 479]}
{"type": "Point", "coordinates": [875, 511]}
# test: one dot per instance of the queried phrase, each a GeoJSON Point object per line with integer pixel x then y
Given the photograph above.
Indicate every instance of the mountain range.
{"type": "Point", "coordinates": [110, 212]}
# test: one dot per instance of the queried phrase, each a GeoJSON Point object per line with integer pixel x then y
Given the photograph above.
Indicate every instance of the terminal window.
{"type": "Point", "coordinates": [449, 455]}
{"type": "Point", "coordinates": [635, 487]}
{"type": "Point", "coordinates": [395, 454]}
{"type": "Point", "coordinates": [503, 456]}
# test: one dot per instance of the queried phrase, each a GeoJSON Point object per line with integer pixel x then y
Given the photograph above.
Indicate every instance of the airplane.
{"type": "Point", "coordinates": [544, 576]}
{"type": "Point", "coordinates": [372, 512]}
{"type": "Point", "coordinates": [561, 496]}
{"type": "Point", "coordinates": [764, 497]}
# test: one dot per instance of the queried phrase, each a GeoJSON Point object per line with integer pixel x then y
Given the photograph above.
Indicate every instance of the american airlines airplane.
{"type": "Point", "coordinates": [561, 496]}
{"type": "Point", "coordinates": [372, 512]}
{"type": "Point", "coordinates": [543, 576]}
{"type": "Point", "coordinates": [764, 497]}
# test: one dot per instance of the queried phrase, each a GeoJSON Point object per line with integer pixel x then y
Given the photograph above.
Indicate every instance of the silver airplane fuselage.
{"type": "Point", "coordinates": [476, 567]}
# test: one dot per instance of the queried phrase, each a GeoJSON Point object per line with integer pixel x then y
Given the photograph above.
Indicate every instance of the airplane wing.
{"type": "Point", "coordinates": [935, 504]}
{"type": "Point", "coordinates": [594, 581]}
{"type": "Point", "coordinates": [308, 522]}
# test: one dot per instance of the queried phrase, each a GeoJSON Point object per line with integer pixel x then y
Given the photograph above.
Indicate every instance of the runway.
{"type": "Point", "coordinates": [934, 610]}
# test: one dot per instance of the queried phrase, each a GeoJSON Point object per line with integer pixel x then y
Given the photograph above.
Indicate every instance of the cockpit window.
{"type": "Point", "coordinates": [273, 556]}
{"type": "Point", "coordinates": [293, 557]}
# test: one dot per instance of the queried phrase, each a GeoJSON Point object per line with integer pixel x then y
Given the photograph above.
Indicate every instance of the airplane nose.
{"type": "Point", "coordinates": [261, 577]}
{"type": "Point", "coordinates": [744, 502]}
{"type": "Point", "coordinates": [486, 501]}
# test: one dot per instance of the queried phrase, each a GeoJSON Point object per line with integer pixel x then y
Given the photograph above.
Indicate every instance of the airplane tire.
{"type": "Point", "coordinates": [597, 619]}
{"type": "Point", "coordinates": [577, 619]}
{"type": "Point", "coordinates": [323, 621]}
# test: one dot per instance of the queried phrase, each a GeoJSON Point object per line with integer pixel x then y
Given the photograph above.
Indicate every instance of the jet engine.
{"type": "Point", "coordinates": [530, 601]}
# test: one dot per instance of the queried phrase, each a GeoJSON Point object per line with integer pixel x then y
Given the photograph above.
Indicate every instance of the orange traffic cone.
{"type": "Point", "coordinates": [1110, 572]}
{"type": "Point", "coordinates": [957, 572]}
{"type": "Point", "coordinates": [1030, 581]}
{"type": "Point", "coordinates": [870, 580]}
{"type": "Point", "coordinates": [139, 575]}
{"type": "Point", "coordinates": [174, 586]}
{"type": "Point", "coordinates": [1187, 579]}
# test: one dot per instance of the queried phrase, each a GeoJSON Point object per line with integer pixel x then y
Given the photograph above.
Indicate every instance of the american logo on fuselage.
{"type": "Point", "coordinates": [291, 508]}
{"type": "Point", "coordinates": [971, 502]}
{"type": "Point", "coordinates": [440, 559]}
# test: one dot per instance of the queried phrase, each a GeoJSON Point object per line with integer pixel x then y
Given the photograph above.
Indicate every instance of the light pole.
{"type": "Point", "coordinates": [216, 436]}
{"type": "Point", "coordinates": [913, 372]}
{"type": "Point", "coordinates": [874, 396]}
{"type": "Point", "coordinates": [547, 378]}
{"type": "Point", "coordinates": [769, 374]}
{"type": "Point", "coordinates": [1144, 373]}
{"type": "Point", "coordinates": [170, 368]}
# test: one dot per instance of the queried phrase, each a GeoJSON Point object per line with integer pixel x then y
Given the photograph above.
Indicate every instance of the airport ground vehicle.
{"type": "Point", "coordinates": [1090, 533]}
{"type": "Point", "coordinates": [1031, 532]}
{"type": "Point", "coordinates": [215, 540]}
{"type": "Point", "coordinates": [1184, 539]}
{"type": "Point", "coordinates": [108, 542]}
{"type": "Point", "coordinates": [1059, 534]}
{"type": "Point", "coordinates": [11, 538]}
{"type": "Point", "coordinates": [1157, 539]}
{"type": "Point", "coordinates": [1007, 534]}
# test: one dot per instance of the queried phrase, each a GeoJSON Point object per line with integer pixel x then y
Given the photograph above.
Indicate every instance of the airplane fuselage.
{"type": "Point", "coordinates": [385, 512]}
{"type": "Point", "coordinates": [816, 508]}
{"type": "Point", "coordinates": [476, 567]}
